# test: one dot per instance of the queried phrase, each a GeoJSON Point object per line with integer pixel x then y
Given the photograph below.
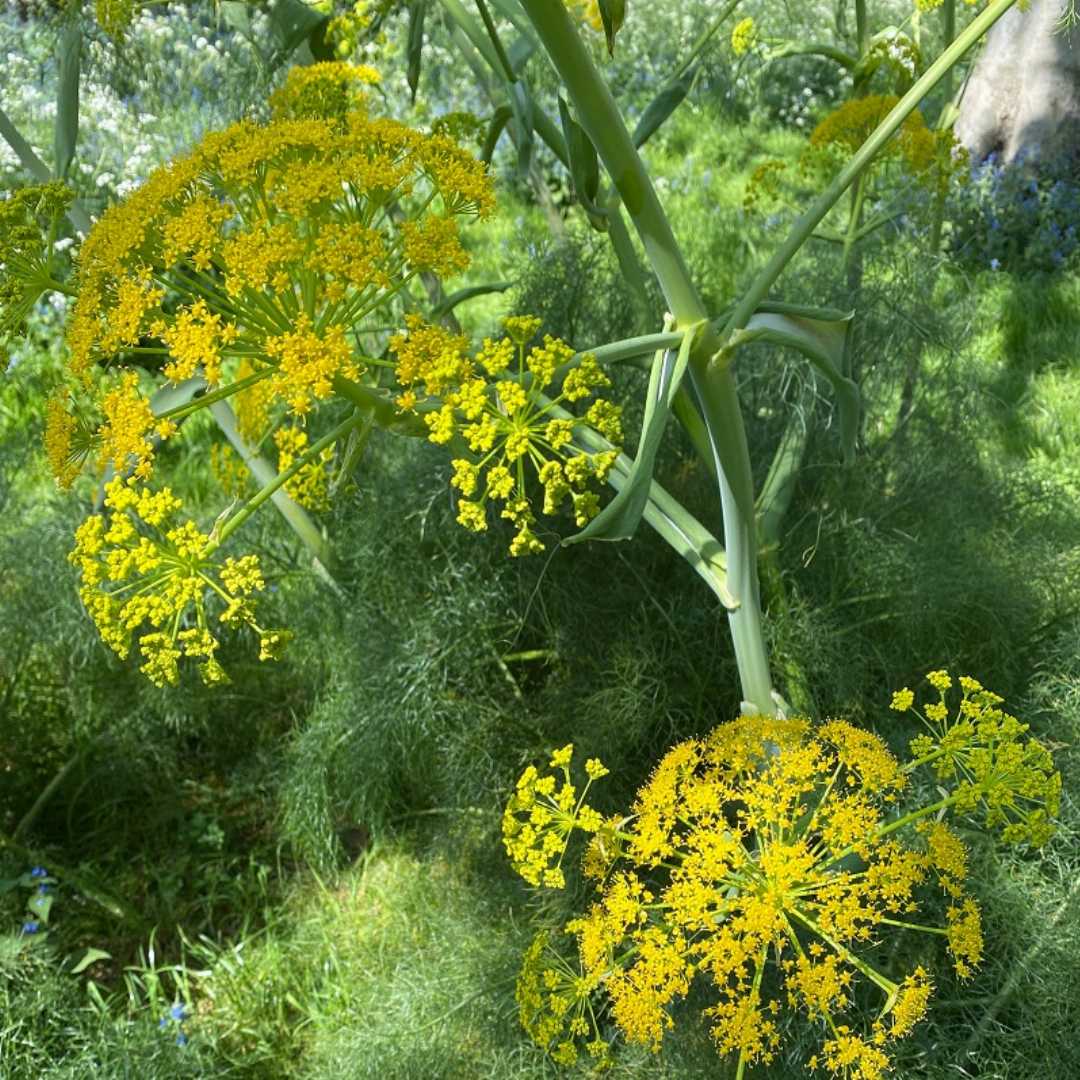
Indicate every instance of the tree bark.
{"type": "Point", "coordinates": [1022, 100]}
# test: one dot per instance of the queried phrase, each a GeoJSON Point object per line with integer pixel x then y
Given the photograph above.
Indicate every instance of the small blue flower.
{"type": "Point", "coordinates": [39, 871]}
{"type": "Point", "coordinates": [42, 890]}
{"type": "Point", "coordinates": [31, 927]}
{"type": "Point", "coordinates": [995, 264]}
{"type": "Point", "coordinates": [178, 1012]}
{"type": "Point", "coordinates": [181, 1039]}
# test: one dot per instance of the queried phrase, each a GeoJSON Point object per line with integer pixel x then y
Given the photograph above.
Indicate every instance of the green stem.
{"type": "Point", "coordinates": [887, 986]}
{"type": "Point", "coordinates": [496, 44]}
{"type": "Point", "coordinates": [295, 515]}
{"type": "Point", "coordinates": [949, 16]}
{"type": "Point", "coordinates": [703, 40]}
{"type": "Point", "coordinates": [854, 221]}
{"type": "Point", "coordinates": [829, 52]}
{"type": "Point", "coordinates": [862, 28]}
{"type": "Point", "coordinates": [715, 386]}
{"type": "Point", "coordinates": [900, 823]}
{"type": "Point", "coordinates": [669, 518]}
{"type": "Point", "coordinates": [205, 400]}
{"type": "Point", "coordinates": [50, 789]}
{"type": "Point", "coordinates": [273, 485]}
{"type": "Point", "coordinates": [805, 226]}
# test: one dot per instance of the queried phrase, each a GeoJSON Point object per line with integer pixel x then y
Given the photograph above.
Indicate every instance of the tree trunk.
{"type": "Point", "coordinates": [1023, 97]}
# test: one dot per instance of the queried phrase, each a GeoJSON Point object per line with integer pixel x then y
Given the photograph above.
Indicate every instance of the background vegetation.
{"type": "Point", "coordinates": [306, 865]}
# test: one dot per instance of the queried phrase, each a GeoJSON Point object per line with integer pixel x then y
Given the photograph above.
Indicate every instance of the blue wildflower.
{"type": "Point", "coordinates": [995, 264]}
{"type": "Point", "coordinates": [178, 1012]}
{"type": "Point", "coordinates": [31, 927]}
{"type": "Point", "coordinates": [181, 1039]}
{"type": "Point", "coordinates": [39, 871]}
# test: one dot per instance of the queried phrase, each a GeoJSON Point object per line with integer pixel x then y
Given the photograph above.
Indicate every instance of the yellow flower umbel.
{"type": "Point", "coordinates": [151, 578]}
{"type": "Point", "coordinates": [588, 11]}
{"type": "Point", "coordinates": [983, 755]}
{"type": "Point", "coordinates": [272, 246]}
{"type": "Point", "coordinates": [743, 37]}
{"type": "Point", "coordinates": [930, 158]}
{"type": "Point", "coordinates": [540, 817]}
{"type": "Point", "coordinates": [495, 407]}
{"type": "Point", "coordinates": [28, 225]}
{"type": "Point", "coordinates": [770, 843]}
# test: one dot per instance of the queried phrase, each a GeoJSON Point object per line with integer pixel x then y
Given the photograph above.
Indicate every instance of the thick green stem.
{"type": "Point", "coordinates": [671, 520]}
{"type": "Point", "coordinates": [266, 475]}
{"type": "Point", "coordinates": [713, 384]}
{"type": "Point", "coordinates": [862, 28]}
{"type": "Point", "coordinates": [805, 226]}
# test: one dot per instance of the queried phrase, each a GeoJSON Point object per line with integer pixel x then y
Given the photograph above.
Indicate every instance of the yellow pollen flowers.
{"type": "Point", "coordinates": [271, 246]}
{"type": "Point", "coordinates": [495, 407]}
{"type": "Point", "coordinates": [769, 844]}
{"type": "Point", "coordinates": [150, 578]}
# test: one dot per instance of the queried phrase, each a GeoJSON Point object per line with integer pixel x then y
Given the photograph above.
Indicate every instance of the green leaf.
{"type": "Point", "coordinates": [522, 106]}
{"type": "Point", "coordinates": [671, 96]}
{"type": "Point", "coordinates": [520, 52]}
{"type": "Point", "coordinates": [292, 22]}
{"type": "Point", "coordinates": [822, 342]}
{"type": "Point", "coordinates": [66, 131]}
{"type": "Point", "coordinates": [619, 519]}
{"type": "Point", "coordinates": [415, 49]}
{"type": "Point", "coordinates": [584, 163]}
{"type": "Point", "coordinates": [499, 119]}
{"type": "Point", "coordinates": [40, 904]}
{"type": "Point", "coordinates": [92, 956]}
{"type": "Point", "coordinates": [237, 15]}
{"type": "Point", "coordinates": [613, 15]}
{"type": "Point", "coordinates": [462, 295]}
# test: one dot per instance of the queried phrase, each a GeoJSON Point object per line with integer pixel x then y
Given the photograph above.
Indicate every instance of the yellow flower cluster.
{"type": "Point", "coordinates": [983, 755]}
{"type": "Point", "coordinates": [126, 434]}
{"type": "Point", "coordinates": [272, 245]}
{"type": "Point", "coordinates": [540, 817]}
{"type": "Point", "coordinates": [494, 406]}
{"type": "Point", "coordinates": [589, 12]}
{"type": "Point", "coordinates": [743, 37]}
{"type": "Point", "coordinates": [933, 5]}
{"type": "Point", "coordinates": [770, 843]}
{"type": "Point", "coordinates": [322, 90]}
{"type": "Point", "coordinates": [68, 440]}
{"type": "Point", "coordinates": [115, 16]}
{"type": "Point", "coordinates": [310, 487]}
{"type": "Point", "coordinates": [554, 1004]}
{"type": "Point", "coordinates": [930, 157]}
{"type": "Point", "coordinates": [148, 576]}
